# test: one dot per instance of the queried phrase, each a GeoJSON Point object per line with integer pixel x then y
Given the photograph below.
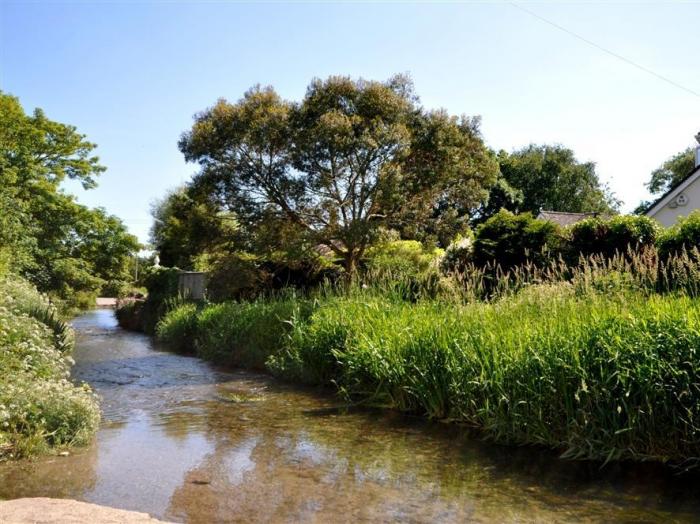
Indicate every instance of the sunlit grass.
{"type": "Point", "coordinates": [600, 363]}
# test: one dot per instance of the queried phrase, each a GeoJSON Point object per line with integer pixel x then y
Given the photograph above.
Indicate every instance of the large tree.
{"type": "Point", "coordinates": [550, 177]}
{"type": "Point", "coordinates": [351, 157]}
{"type": "Point", "coordinates": [57, 243]}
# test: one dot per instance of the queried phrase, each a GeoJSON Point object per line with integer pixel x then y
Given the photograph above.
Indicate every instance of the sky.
{"type": "Point", "coordinates": [131, 75]}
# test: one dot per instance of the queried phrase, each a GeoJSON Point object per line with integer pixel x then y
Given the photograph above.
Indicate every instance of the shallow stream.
{"type": "Point", "coordinates": [188, 442]}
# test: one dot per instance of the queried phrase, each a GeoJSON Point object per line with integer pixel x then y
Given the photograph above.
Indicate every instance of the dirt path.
{"type": "Point", "coordinates": [65, 511]}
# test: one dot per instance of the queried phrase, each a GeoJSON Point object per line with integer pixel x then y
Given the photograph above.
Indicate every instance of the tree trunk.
{"type": "Point", "coordinates": [350, 265]}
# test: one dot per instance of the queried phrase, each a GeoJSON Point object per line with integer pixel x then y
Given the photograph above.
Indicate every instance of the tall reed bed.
{"type": "Point", "coordinates": [592, 361]}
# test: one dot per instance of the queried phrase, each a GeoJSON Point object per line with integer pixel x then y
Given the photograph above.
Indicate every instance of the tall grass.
{"type": "Point", "coordinates": [599, 362]}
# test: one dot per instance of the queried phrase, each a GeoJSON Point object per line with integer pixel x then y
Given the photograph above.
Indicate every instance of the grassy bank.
{"type": "Point", "coordinates": [39, 407]}
{"type": "Point", "coordinates": [596, 375]}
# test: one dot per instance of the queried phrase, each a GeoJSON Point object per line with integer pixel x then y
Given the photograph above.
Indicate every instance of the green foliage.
{"type": "Point", "coordinates": [671, 172]}
{"type": "Point", "coordinates": [235, 275]}
{"type": "Point", "coordinates": [509, 240]}
{"type": "Point", "coordinates": [550, 177]}
{"type": "Point", "coordinates": [45, 235]}
{"type": "Point", "coordinates": [178, 327]}
{"type": "Point", "coordinates": [683, 235]}
{"type": "Point", "coordinates": [186, 226]}
{"type": "Point", "coordinates": [234, 333]}
{"type": "Point", "coordinates": [459, 254]}
{"type": "Point", "coordinates": [352, 157]}
{"type": "Point", "coordinates": [607, 236]}
{"type": "Point", "coordinates": [603, 373]}
{"type": "Point", "coordinates": [39, 407]}
{"type": "Point", "coordinates": [402, 257]}
{"type": "Point", "coordinates": [161, 282]}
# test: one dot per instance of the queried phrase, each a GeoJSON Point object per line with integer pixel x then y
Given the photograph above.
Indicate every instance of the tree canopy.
{"type": "Point", "coordinates": [185, 227]}
{"type": "Point", "coordinates": [671, 172]}
{"type": "Point", "coordinates": [353, 157]}
{"type": "Point", "coordinates": [668, 174]}
{"type": "Point", "coordinates": [550, 177]}
{"type": "Point", "coordinates": [60, 245]}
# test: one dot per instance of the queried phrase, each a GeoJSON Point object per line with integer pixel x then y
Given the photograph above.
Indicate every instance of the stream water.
{"type": "Point", "coordinates": [188, 442]}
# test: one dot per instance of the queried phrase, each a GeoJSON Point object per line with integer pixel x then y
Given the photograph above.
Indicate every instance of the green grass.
{"type": "Point", "coordinates": [39, 408]}
{"type": "Point", "coordinates": [596, 375]}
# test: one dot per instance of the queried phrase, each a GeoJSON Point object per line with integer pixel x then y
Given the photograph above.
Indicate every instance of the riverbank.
{"type": "Point", "coordinates": [603, 376]}
{"type": "Point", "coordinates": [40, 409]}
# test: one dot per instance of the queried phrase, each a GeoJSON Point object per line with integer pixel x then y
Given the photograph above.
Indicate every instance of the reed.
{"type": "Point", "coordinates": [599, 361]}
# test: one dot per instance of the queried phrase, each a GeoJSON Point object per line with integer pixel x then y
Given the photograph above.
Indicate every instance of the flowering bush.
{"type": "Point", "coordinates": [39, 406]}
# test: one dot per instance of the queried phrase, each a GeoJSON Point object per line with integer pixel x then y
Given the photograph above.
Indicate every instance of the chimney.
{"type": "Point", "coordinates": [697, 151]}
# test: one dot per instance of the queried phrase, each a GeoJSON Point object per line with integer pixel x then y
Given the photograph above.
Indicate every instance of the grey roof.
{"type": "Point", "coordinates": [563, 218]}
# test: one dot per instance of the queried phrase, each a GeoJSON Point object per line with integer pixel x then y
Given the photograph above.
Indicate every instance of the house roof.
{"type": "Point", "coordinates": [676, 188]}
{"type": "Point", "coordinates": [564, 218]}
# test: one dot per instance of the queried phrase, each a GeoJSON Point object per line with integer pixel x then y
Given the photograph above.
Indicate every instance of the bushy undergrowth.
{"type": "Point", "coordinates": [598, 365]}
{"type": "Point", "coordinates": [39, 407]}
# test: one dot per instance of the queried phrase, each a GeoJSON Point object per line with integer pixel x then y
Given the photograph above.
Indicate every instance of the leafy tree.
{"type": "Point", "coordinates": [501, 196]}
{"type": "Point", "coordinates": [60, 245]}
{"type": "Point", "coordinates": [449, 176]}
{"type": "Point", "coordinates": [664, 177]}
{"type": "Point", "coordinates": [351, 157]}
{"type": "Point", "coordinates": [185, 226]}
{"type": "Point", "coordinates": [671, 172]}
{"type": "Point", "coordinates": [550, 177]}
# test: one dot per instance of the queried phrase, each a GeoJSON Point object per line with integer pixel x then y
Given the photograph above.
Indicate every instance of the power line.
{"type": "Point", "coordinates": [605, 50]}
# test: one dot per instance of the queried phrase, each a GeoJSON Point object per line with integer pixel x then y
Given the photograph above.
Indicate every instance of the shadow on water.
{"type": "Point", "coordinates": [188, 442]}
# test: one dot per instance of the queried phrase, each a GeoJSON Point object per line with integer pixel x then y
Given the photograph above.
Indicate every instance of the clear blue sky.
{"type": "Point", "coordinates": [130, 75]}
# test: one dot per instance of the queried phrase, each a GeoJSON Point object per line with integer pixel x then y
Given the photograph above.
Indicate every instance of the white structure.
{"type": "Point", "coordinates": [681, 199]}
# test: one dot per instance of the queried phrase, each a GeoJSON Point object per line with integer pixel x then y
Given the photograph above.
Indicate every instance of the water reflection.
{"type": "Point", "coordinates": [187, 442]}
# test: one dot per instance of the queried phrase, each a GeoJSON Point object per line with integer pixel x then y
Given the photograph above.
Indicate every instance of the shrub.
{"type": "Point", "coordinates": [509, 241]}
{"type": "Point", "coordinates": [402, 258]}
{"type": "Point", "coordinates": [234, 276]}
{"type": "Point", "coordinates": [606, 237]}
{"type": "Point", "coordinates": [684, 235]}
{"type": "Point", "coordinates": [161, 282]}
{"type": "Point", "coordinates": [459, 254]}
{"type": "Point", "coordinates": [39, 407]}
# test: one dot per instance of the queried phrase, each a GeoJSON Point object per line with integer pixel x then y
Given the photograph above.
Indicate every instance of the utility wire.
{"type": "Point", "coordinates": [604, 50]}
